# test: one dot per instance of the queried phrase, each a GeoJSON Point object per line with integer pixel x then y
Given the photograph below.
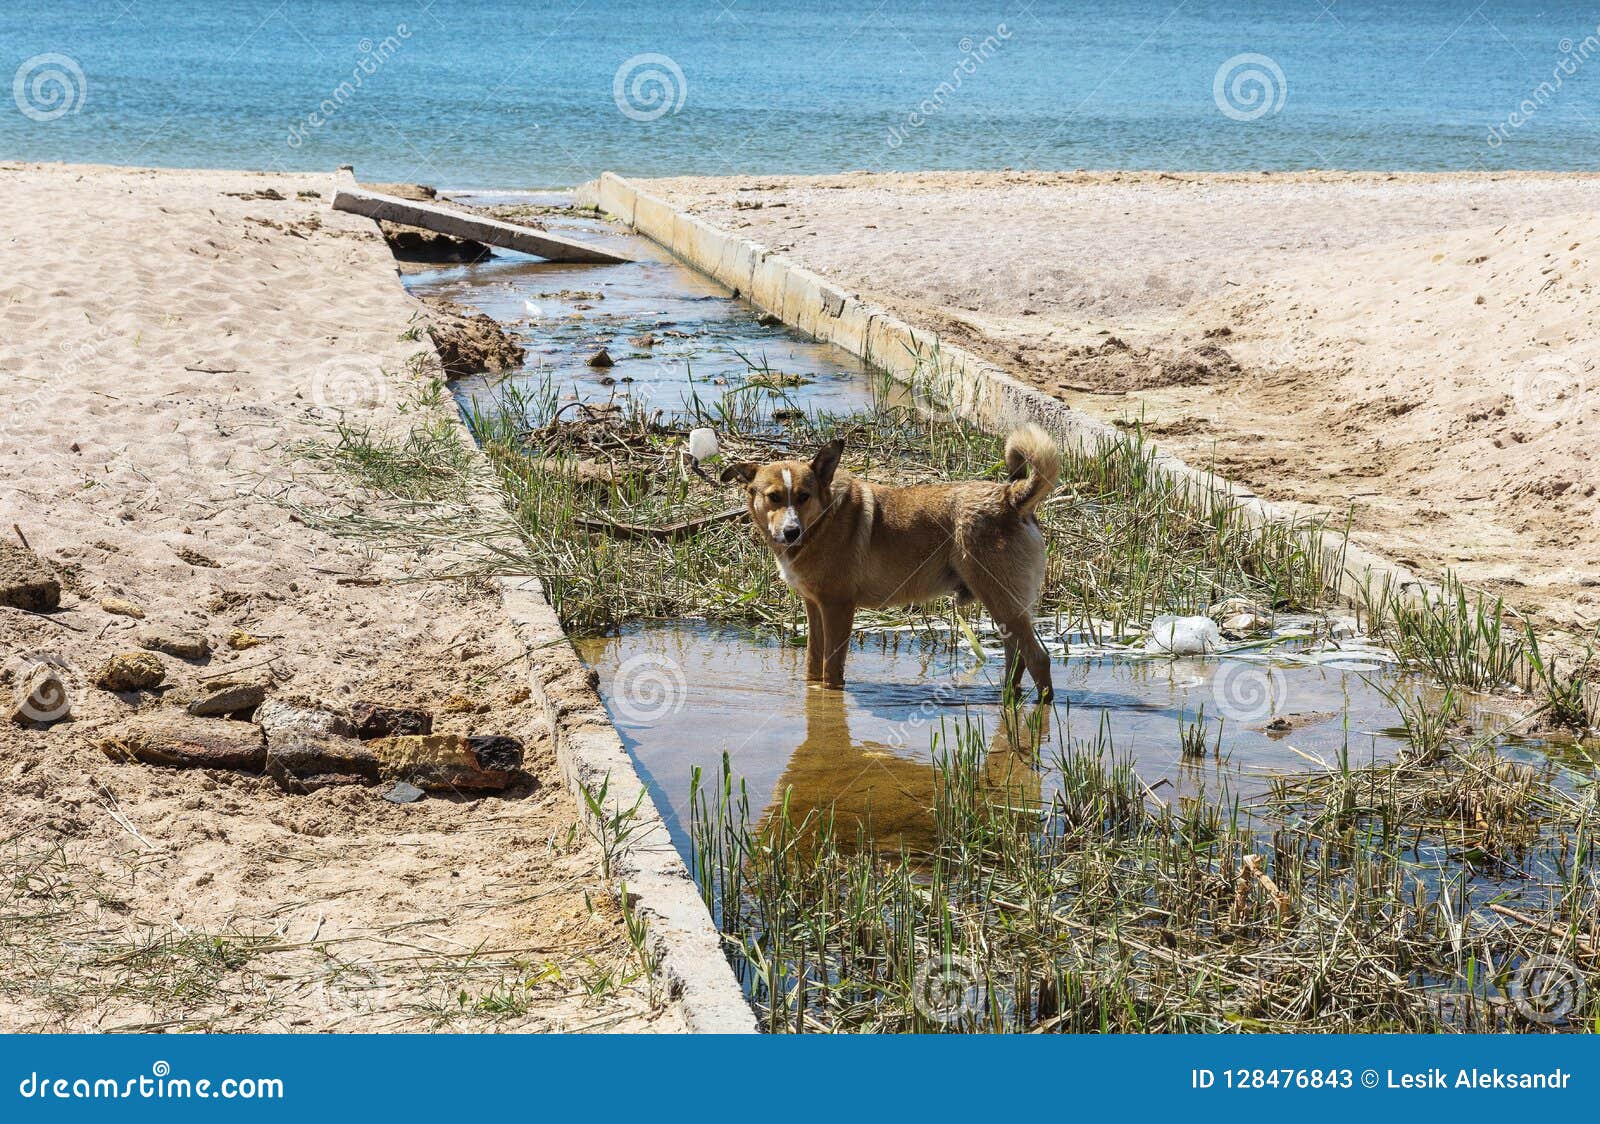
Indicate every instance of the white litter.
{"type": "Point", "coordinates": [703, 444]}
{"type": "Point", "coordinates": [1183, 636]}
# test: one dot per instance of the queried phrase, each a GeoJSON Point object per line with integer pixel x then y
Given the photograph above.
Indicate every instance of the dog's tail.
{"type": "Point", "coordinates": [1034, 465]}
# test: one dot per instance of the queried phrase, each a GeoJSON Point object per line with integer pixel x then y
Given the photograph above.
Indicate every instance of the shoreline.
{"type": "Point", "coordinates": [1039, 175]}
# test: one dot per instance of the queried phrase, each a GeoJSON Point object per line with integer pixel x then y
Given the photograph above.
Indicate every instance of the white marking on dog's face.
{"type": "Point", "coordinates": [784, 503]}
{"type": "Point", "coordinates": [788, 529]}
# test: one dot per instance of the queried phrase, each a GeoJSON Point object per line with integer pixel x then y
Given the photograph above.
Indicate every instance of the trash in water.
{"type": "Point", "coordinates": [1183, 636]}
{"type": "Point", "coordinates": [703, 444]}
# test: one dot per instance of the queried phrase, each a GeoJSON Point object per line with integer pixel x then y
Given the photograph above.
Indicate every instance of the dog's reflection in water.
{"type": "Point", "coordinates": [877, 791]}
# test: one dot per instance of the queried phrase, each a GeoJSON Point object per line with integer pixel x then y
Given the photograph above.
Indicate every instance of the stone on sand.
{"type": "Point", "coordinates": [118, 607]}
{"type": "Point", "coordinates": [192, 646]}
{"type": "Point", "coordinates": [130, 671]}
{"type": "Point", "coordinates": [25, 582]}
{"type": "Point", "coordinates": [450, 762]}
{"type": "Point", "coordinates": [182, 741]}
{"type": "Point", "coordinates": [378, 720]}
{"type": "Point", "coordinates": [309, 749]}
{"type": "Point", "coordinates": [42, 696]}
{"type": "Point", "coordinates": [229, 699]}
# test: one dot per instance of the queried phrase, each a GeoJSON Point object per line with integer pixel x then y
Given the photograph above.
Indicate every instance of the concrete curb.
{"type": "Point", "coordinates": [968, 387]}
{"type": "Point", "coordinates": [689, 949]}
{"type": "Point", "coordinates": [686, 942]}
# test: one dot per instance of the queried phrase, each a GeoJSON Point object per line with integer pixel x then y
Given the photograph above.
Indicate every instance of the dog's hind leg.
{"type": "Point", "coordinates": [1008, 588]}
{"type": "Point", "coordinates": [1019, 631]}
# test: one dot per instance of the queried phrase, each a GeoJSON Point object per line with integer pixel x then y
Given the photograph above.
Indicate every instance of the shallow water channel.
{"type": "Point", "coordinates": [684, 693]}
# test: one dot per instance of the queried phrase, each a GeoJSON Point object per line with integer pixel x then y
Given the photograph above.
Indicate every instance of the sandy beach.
{"type": "Point", "coordinates": [174, 342]}
{"type": "Point", "coordinates": [1410, 349]}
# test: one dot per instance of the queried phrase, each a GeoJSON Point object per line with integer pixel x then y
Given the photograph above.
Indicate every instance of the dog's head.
{"type": "Point", "coordinates": [788, 497]}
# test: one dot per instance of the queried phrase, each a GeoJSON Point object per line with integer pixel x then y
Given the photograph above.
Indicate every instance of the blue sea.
{"type": "Point", "coordinates": [484, 93]}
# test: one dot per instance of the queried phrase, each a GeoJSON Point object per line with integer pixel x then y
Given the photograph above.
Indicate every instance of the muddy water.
{"type": "Point", "coordinates": [684, 693]}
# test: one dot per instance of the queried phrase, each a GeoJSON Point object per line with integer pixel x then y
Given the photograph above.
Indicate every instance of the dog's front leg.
{"type": "Point", "coordinates": [815, 641]}
{"type": "Point", "coordinates": [838, 621]}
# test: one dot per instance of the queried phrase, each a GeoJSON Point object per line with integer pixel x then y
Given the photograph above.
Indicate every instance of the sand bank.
{"type": "Point", "coordinates": [171, 338]}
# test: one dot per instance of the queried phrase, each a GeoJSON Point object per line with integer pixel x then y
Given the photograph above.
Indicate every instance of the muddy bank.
{"type": "Point", "coordinates": [468, 342]}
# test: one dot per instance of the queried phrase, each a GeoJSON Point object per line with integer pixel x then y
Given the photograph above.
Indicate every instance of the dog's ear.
{"type": "Point", "coordinates": [826, 460]}
{"type": "Point", "coordinates": [743, 471]}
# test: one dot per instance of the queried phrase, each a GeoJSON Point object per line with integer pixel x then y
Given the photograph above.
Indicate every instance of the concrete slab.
{"type": "Point", "coordinates": [347, 196]}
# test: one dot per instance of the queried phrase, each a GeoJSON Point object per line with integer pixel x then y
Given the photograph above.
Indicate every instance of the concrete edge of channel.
{"type": "Point", "coordinates": [969, 387]}
{"type": "Point", "coordinates": [685, 941]}
{"type": "Point", "coordinates": [690, 959]}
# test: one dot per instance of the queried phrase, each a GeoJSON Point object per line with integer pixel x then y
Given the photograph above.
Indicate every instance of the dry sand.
{"type": "Point", "coordinates": [1416, 349]}
{"type": "Point", "coordinates": [166, 342]}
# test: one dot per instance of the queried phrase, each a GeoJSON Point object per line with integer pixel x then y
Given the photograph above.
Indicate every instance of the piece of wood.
{"type": "Point", "coordinates": [671, 532]}
{"type": "Point", "coordinates": [348, 196]}
{"type": "Point", "coordinates": [1554, 928]}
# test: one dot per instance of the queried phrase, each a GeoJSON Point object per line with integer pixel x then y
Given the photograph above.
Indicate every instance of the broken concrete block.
{"type": "Point", "coordinates": [310, 749]}
{"type": "Point", "coordinates": [191, 646]}
{"type": "Point", "coordinates": [229, 699]}
{"type": "Point", "coordinates": [375, 720]}
{"type": "Point", "coordinates": [282, 719]}
{"type": "Point", "coordinates": [130, 671]}
{"type": "Point", "coordinates": [119, 607]}
{"type": "Point", "coordinates": [299, 761]}
{"type": "Point", "coordinates": [450, 762]}
{"type": "Point", "coordinates": [185, 742]}
{"type": "Point", "coordinates": [25, 581]}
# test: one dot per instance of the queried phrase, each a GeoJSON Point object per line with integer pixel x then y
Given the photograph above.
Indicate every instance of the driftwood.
{"type": "Point", "coordinates": [348, 196]}
{"type": "Point", "coordinates": [1553, 928]}
{"type": "Point", "coordinates": [671, 532]}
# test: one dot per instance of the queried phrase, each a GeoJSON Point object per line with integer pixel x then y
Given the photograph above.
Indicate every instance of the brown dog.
{"type": "Point", "coordinates": [843, 543]}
